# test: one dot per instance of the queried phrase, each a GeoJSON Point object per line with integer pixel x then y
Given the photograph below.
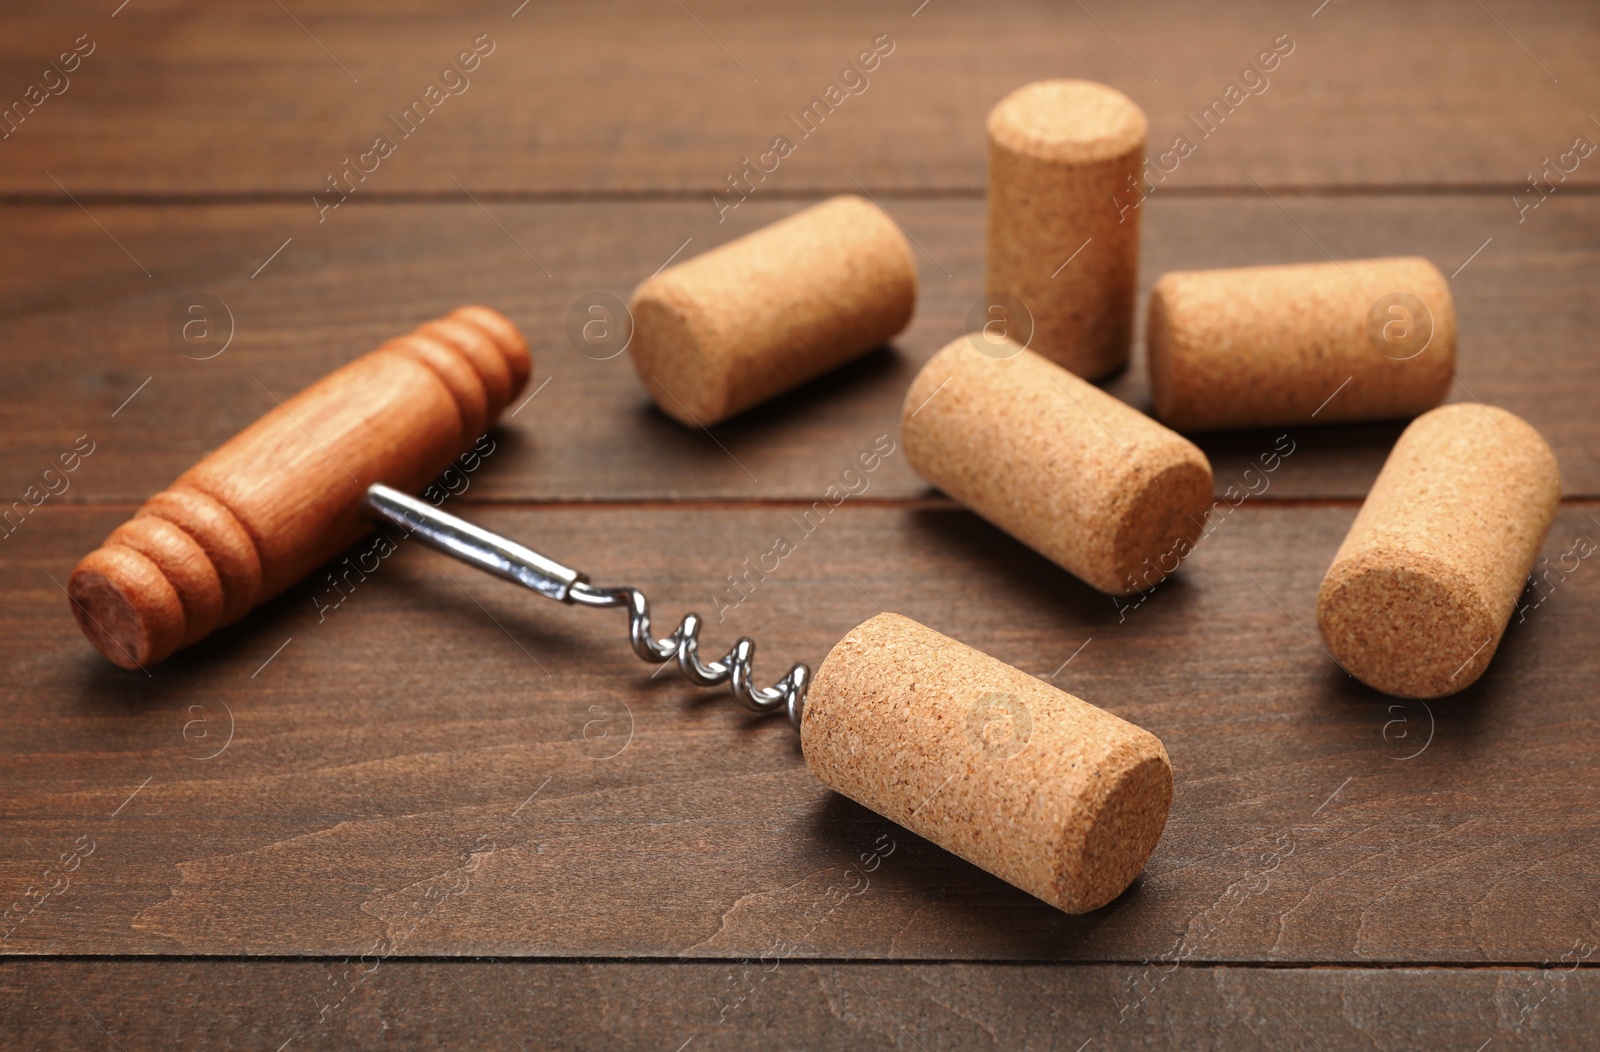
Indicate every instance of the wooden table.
{"type": "Point", "coordinates": [430, 809]}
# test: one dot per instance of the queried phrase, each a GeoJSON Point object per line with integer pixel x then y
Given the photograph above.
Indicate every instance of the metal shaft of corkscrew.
{"type": "Point", "coordinates": [506, 558]}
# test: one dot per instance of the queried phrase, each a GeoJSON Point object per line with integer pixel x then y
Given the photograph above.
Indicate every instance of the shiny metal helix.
{"type": "Point", "coordinates": [507, 559]}
{"type": "Point", "coordinates": [789, 693]}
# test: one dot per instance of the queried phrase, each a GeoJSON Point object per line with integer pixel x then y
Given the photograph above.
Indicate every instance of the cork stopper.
{"type": "Point", "coordinates": [733, 327]}
{"type": "Point", "coordinates": [1306, 343]}
{"type": "Point", "coordinates": [1061, 154]}
{"type": "Point", "coordinates": [1422, 588]}
{"type": "Point", "coordinates": [1041, 789]}
{"type": "Point", "coordinates": [1081, 477]}
{"type": "Point", "coordinates": [1073, 121]}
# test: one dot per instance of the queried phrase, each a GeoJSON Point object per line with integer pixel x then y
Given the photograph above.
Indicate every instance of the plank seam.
{"type": "Point", "coordinates": [37, 199]}
{"type": "Point", "coordinates": [1205, 965]}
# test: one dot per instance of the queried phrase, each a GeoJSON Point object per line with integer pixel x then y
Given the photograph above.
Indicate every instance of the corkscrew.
{"type": "Point", "coordinates": [514, 562]}
{"type": "Point", "coordinates": [897, 716]}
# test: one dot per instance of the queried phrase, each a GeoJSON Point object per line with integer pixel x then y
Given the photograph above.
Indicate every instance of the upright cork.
{"type": "Point", "coordinates": [1084, 479]}
{"type": "Point", "coordinates": [284, 495]}
{"type": "Point", "coordinates": [1046, 791]}
{"type": "Point", "coordinates": [1321, 343]}
{"type": "Point", "coordinates": [1061, 152]}
{"type": "Point", "coordinates": [1420, 592]}
{"type": "Point", "coordinates": [721, 332]}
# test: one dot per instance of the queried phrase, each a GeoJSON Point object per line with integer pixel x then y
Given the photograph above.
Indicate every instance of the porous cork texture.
{"type": "Point", "coordinates": [1304, 343]}
{"type": "Point", "coordinates": [1060, 153]}
{"type": "Point", "coordinates": [1420, 592]}
{"type": "Point", "coordinates": [1042, 789]}
{"type": "Point", "coordinates": [731, 328]}
{"type": "Point", "coordinates": [1079, 476]}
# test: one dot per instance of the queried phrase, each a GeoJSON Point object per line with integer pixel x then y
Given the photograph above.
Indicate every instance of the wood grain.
{"type": "Point", "coordinates": [633, 97]}
{"type": "Point", "coordinates": [85, 329]}
{"type": "Point", "coordinates": [404, 758]}
{"type": "Point", "coordinates": [233, 1004]}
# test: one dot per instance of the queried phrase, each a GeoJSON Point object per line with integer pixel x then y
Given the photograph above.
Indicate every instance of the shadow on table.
{"type": "Point", "coordinates": [980, 913]}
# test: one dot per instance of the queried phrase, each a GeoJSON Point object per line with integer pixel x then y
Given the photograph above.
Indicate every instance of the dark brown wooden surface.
{"type": "Point", "coordinates": [634, 97]}
{"type": "Point", "coordinates": [403, 772]}
{"type": "Point", "coordinates": [643, 1005]}
{"type": "Point", "coordinates": [84, 329]}
{"type": "Point", "coordinates": [403, 728]}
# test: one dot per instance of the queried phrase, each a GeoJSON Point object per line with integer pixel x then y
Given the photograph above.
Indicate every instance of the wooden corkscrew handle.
{"type": "Point", "coordinates": [284, 495]}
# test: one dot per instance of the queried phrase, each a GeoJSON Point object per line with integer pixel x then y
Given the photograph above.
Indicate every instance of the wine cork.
{"type": "Point", "coordinates": [1370, 339]}
{"type": "Point", "coordinates": [721, 332]}
{"type": "Point", "coordinates": [1082, 478]}
{"type": "Point", "coordinates": [1040, 788]}
{"type": "Point", "coordinates": [1422, 587]}
{"type": "Point", "coordinates": [1060, 154]}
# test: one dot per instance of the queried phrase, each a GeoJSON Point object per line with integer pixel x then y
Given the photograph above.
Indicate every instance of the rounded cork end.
{"type": "Point", "coordinates": [669, 357]}
{"type": "Point", "coordinates": [1160, 525]}
{"type": "Point", "coordinates": [126, 607]}
{"type": "Point", "coordinates": [1074, 121]}
{"type": "Point", "coordinates": [1405, 624]}
{"type": "Point", "coordinates": [1121, 832]}
{"type": "Point", "coordinates": [1160, 340]}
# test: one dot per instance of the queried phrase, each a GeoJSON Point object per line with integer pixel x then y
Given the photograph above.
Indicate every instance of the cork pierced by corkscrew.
{"type": "Point", "coordinates": [1414, 604]}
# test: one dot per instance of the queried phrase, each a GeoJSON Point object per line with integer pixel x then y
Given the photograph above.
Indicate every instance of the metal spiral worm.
{"type": "Point", "coordinates": [683, 645]}
{"type": "Point", "coordinates": [506, 558]}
